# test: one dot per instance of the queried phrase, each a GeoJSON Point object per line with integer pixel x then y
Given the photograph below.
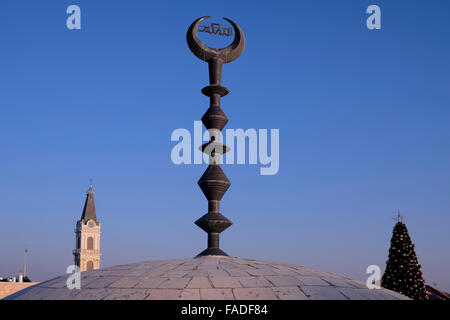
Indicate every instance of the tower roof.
{"type": "Point", "coordinates": [89, 206]}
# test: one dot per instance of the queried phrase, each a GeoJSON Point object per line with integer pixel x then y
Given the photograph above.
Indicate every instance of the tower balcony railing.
{"type": "Point", "coordinates": [86, 251]}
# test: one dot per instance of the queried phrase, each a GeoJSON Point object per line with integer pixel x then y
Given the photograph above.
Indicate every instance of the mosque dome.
{"type": "Point", "coordinates": [206, 278]}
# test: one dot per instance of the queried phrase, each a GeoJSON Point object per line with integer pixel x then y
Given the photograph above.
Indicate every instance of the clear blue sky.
{"type": "Point", "coordinates": [363, 117]}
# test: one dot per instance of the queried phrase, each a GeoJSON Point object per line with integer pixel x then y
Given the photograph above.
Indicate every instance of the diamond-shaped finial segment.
{"type": "Point", "coordinates": [214, 183]}
{"type": "Point", "coordinates": [214, 117]}
{"type": "Point", "coordinates": [213, 222]}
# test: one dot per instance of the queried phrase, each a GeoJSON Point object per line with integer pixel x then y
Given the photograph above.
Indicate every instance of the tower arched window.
{"type": "Point", "coordinates": [89, 265]}
{"type": "Point", "coordinates": [90, 243]}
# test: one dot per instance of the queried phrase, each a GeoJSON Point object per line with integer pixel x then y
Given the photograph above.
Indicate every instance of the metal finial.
{"type": "Point", "coordinates": [214, 183]}
{"type": "Point", "coordinates": [25, 263]}
{"type": "Point", "coordinates": [90, 190]}
{"type": "Point", "coordinates": [399, 218]}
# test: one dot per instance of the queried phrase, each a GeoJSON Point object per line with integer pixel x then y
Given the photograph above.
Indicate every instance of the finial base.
{"type": "Point", "coordinates": [212, 252]}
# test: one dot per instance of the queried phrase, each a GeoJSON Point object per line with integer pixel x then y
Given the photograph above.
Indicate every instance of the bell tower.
{"type": "Point", "coordinates": [87, 246]}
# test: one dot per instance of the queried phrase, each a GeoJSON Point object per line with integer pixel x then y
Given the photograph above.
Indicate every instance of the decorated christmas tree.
{"type": "Point", "coordinates": [403, 272]}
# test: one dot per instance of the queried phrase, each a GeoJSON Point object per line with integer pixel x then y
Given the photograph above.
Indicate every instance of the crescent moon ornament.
{"type": "Point", "coordinates": [205, 53]}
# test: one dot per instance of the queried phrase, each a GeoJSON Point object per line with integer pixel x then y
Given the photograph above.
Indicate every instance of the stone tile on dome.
{"type": "Point", "coordinates": [157, 272]}
{"type": "Point", "coordinates": [387, 296]}
{"type": "Point", "coordinates": [200, 283]}
{"type": "Point", "coordinates": [148, 264]}
{"type": "Point", "coordinates": [225, 282]}
{"type": "Point", "coordinates": [277, 265]}
{"type": "Point", "coordinates": [207, 267]}
{"type": "Point", "coordinates": [92, 294]}
{"type": "Point", "coordinates": [254, 294]}
{"type": "Point", "coordinates": [322, 274]}
{"type": "Point", "coordinates": [237, 272]}
{"type": "Point", "coordinates": [254, 282]}
{"type": "Point", "coordinates": [289, 293]}
{"type": "Point", "coordinates": [257, 265]}
{"type": "Point", "coordinates": [93, 273]}
{"type": "Point", "coordinates": [137, 272]}
{"type": "Point", "coordinates": [306, 272]}
{"type": "Point", "coordinates": [128, 294]}
{"type": "Point", "coordinates": [176, 273]}
{"type": "Point", "coordinates": [164, 294]}
{"type": "Point", "coordinates": [209, 261]}
{"type": "Point", "coordinates": [174, 283]}
{"type": "Point", "coordinates": [197, 273]}
{"type": "Point", "coordinates": [62, 294]}
{"type": "Point", "coordinates": [87, 279]}
{"type": "Point", "coordinates": [190, 294]}
{"type": "Point", "coordinates": [131, 265]}
{"type": "Point", "coordinates": [262, 272]}
{"type": "Point", "coordinates": [187, 267]}
{"type": "Point", "coordinates": [100, 282]}
{"type": "Point", "coordinates": [358, 284]}
{"type": "Point", "coordinates": [384, 296]}
{"type": "Point", "coordinates": [284, 281]}
{"type": "Point", "coordinates": [239, 261]}
{"type": "Point", "coordinates": [216, 294]}
{"type": "Point", "coordinates": [287, 272]}
{"type": "Point", "coordinates": [226, 264]}
{"type": "Point", "coordinates": [100, 270]}
{"type": "Point", "coordinates": [373, 294]}
{"type": "Point", "coordinates": [125, 282]}
{"type": "Point", "coordinates": [117, 272]}
{"type": "Point", "coordinates": [233, 263]}
{"type": "Point", "coordinates": [323, 293]}
{"type": "Point", "coordinates": [230, 267]}
{"type": "Point", "coordinates": [123, 266]}
{"type": "Point", "coordinates": [312, 281]}
{"type": "Point", "coordinates": [218, 273]}
{"type": "Point", "coordinates": [340, 283]}
{"type": "Point", "coordinates": [243, 265]}
{"type": "Point", "coordinates": [171, 267]}
{"type": "Point", "coordinates": [332, 276]}
{"type": "Point", "coordinates": [150, 282]}
{"type": "Point", "coordinates": [171, 261]}
{"type": "Point", "coordinates": [358, 294]}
